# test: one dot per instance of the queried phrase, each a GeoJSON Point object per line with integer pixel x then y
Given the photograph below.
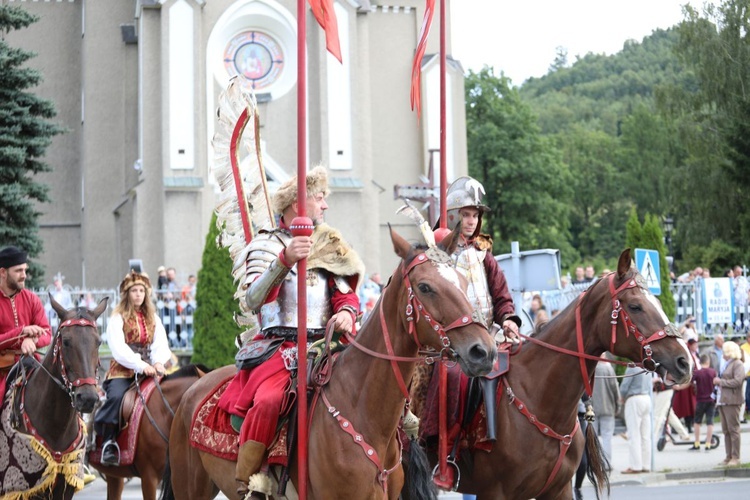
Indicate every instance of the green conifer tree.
{"type": "Point", "coordinates": [215, 328]}
{"type": "Point", "coordinates": [633, 230]}
{"type": "Point", "coordinates": [25, 134]}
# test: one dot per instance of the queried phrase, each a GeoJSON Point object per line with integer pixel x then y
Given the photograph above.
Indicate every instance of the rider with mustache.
{"type": "Point", "coordinates": [257, 393]}
{"type": "Point", "coordinates": [23, 323]}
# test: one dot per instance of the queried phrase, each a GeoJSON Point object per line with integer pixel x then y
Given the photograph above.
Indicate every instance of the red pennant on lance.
{"type": "Point", "coordinates": [416, 68]}
{"type": "Point", "coordinates": [326, 17]}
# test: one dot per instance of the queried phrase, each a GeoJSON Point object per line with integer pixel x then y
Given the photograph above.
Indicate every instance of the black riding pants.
{"type": "Point", "coordinates": [109, 413]}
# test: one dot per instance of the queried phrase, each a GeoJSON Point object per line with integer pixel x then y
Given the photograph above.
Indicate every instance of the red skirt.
{"type": "Point", "coordinates": [683, 402]}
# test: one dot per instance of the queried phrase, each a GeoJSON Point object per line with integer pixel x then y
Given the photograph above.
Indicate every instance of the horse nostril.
{"type": "Point", "coordinates": [683, 364]}
{"type": "Point", "coordinates": [480, 354]}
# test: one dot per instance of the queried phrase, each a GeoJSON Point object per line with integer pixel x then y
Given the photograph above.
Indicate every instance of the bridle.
{"type": "Point", "coordinates": [618, 313]}
{"type": "Point", "coordinates": [67, 384]}
{"type": "Point", "coordinates": [415, 310]}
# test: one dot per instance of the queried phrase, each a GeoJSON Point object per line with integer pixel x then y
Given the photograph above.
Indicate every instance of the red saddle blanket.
{"type": "Point", "coordinates": [127, 439]}
{"type": "Point", "coordinates": [212, 432]}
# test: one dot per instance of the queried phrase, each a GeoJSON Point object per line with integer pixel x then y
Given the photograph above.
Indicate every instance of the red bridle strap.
{"type": "Point", "coordinates": [414, 311]}
{"type": "Point", "coordinates": [58, 354]}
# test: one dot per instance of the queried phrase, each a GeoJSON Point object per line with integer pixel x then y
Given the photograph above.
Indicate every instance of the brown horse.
{"type": "Point", "coordinates": [45, 407]}
{"type": "Point", "coordinates": [538, 398]}
{"type": "Point", "coordinates": [150, 455]}
{"type": "Point", "coordinates": [424, 304]}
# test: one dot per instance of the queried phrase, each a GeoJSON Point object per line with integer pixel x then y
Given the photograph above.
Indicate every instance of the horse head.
{"type": "Point", "coordinates": [74, 356]}
{"type": "Point", "coordinates": [440, 312]}
{"type": "Point", "coordinates": [632, 324]}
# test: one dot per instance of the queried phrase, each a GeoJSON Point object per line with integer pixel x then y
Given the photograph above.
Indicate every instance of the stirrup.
{"type": "Point", "coordinates": [453, 478]}
{"type": "Point", "coordinates": [106, 446]}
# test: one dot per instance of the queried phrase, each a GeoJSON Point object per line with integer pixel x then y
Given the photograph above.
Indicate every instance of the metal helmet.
{"type": "Point", "coordinates": [464, 192]}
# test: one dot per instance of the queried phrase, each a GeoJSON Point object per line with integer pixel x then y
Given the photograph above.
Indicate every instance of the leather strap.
{"type": "Point", "coordinates": [565, 441]}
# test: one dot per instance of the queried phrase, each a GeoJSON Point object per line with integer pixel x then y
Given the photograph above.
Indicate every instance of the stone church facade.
{"type": "Point", "coordinates": [136, 85]}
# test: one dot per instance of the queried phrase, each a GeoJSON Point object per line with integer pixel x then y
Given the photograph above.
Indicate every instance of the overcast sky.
{"type": "Point", "coordinates": [520, 37]}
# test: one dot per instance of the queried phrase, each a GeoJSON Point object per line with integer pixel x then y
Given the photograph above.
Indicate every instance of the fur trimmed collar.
{"type": "Point", "coordinates": [331, 252]}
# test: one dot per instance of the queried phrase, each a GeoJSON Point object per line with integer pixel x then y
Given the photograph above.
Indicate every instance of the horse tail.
{"type": "Point", "coordinates": [166, 492]}
{"type": "Point", "coordinates": [598, 466]}
{"type": "Point", "coordinates": [419, 485]}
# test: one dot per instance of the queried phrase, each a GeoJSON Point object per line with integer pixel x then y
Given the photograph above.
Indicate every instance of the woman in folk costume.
{"type": "Point", "coordinates": [488, 288]}
{"type": "Point", "coordinates": [139, 344]}
{"type": "Point", "coordinates": [333, 274]}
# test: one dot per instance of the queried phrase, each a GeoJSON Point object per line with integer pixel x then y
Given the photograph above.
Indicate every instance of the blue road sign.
{"type": "Point", "coordinates": [647, 262]}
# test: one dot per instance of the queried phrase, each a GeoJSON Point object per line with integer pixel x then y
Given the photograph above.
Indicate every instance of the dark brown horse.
{"type": "Point", "coordinates": [45, 406]}
{"type": "Point", "coordinates": [424, 304]}
{"type": "Point", "coordinates": [538, 399]}
{"type": "Point", "coordinates": [150, 455]}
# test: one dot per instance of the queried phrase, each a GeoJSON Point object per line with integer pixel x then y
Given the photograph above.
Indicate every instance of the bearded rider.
{"type": "Point", "coordinates": [333, 273]}
{"type": "Point", "coordinates": [488, 288]}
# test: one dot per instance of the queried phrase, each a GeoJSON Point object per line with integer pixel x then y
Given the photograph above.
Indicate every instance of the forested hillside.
{"type": "Point", "coordinates": [661, 126]}
{"type": "Point", "coordinates": [599, 90]}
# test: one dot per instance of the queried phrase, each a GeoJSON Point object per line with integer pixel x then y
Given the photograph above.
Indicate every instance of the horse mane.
{"type": "Point", "coordinates": [193, 370]}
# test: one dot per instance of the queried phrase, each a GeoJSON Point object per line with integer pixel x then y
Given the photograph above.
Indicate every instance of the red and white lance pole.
{"type": "Point", "coordinates": [442, 231]}
{"type": "Point", "coordinates": [301, 226]}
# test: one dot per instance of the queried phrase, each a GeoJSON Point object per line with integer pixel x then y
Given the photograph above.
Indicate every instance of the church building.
{"type": "Point", "coordinates": [136, 86]}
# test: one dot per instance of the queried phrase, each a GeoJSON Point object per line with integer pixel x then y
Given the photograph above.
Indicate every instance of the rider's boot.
{"type": "Point", "coordinates": [249, 460]}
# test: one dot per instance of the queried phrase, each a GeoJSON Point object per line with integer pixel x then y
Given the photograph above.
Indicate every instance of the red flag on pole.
{"type": "Point", "coordinates": [326, 17]}
{"type": "Point", "coordinates": [416, 68]}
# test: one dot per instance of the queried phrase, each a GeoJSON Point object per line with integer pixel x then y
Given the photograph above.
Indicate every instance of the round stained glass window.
{"type": "Point", "coordinates": [256, 56]}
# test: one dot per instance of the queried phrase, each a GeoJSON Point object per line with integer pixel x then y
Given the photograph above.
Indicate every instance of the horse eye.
{"type": "Point", "coordinates": [635, 307]}
{"type": "Point", "coordinates": [66, 342]}
{"type": "Point", "coordinates": [424, 288]}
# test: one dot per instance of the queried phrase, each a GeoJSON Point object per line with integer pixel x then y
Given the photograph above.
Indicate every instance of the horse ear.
{"type": "Point", "coordinates": [400, 245]}
{"type": "Point", "coordinates": [100, 308]}
{"type": "Point", "coordinates": [448, 244]}
{"type": "Point", "coordinates": [623, 265]}
{"type": "Point", "coordinates": [60, 310]}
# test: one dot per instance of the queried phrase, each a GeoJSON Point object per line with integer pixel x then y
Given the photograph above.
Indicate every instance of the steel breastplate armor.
{"type": "Point", "coordinates": [282, 312]}
{"type": "Point", "coordinates": [470, 262]}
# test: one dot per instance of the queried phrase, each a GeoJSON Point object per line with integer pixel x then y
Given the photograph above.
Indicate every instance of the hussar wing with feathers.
{"type": "Point", "coordinates": [243, 206]}
{"type": "Point", "coordinates": [424, 227]}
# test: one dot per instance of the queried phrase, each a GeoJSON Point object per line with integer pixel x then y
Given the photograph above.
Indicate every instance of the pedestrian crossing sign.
{"type": "Point", "coordinates": [647, 262]}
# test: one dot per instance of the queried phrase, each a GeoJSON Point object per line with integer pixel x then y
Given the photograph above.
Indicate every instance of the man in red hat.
{"type": "Point", "coordinates": [23, 324]}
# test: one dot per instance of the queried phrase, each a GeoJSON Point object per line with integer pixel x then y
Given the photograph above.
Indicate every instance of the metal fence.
{"type": "Point", "coordinates": [176, 314]}
{"type": "Point", "coordinates": [688, 299]}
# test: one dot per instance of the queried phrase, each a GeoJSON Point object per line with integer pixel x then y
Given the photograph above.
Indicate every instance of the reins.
{"type": "Point", "coordinates": [647, 363]}
{"type": "Point", "coordinates": [415, 310]}
{"type": "Point", "coordinates": [67, 385]}
{"type": "Point", "coordinates": [145, 405]}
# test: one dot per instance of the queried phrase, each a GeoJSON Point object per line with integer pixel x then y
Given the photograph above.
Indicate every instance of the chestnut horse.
{"type": "Point", "coordinates": [538, 397]}
{"type": "Point", "coordinates": [151, 447]}
{"type": "Point", "coordinates": [424, 304]}
{"type": "Point", "coordinates": [41, 417]}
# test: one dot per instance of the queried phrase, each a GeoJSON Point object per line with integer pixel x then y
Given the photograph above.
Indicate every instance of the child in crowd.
{"type": "Point", "coordinates": [706, 401]}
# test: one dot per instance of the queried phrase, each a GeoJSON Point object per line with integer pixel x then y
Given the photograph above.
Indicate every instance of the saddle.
{"type": "Point", "coordinates": [216, 432]}
{"type": "Point", "coordinates": [468, 398]}
{"type": "Point", "coordinates": [131, 414]}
